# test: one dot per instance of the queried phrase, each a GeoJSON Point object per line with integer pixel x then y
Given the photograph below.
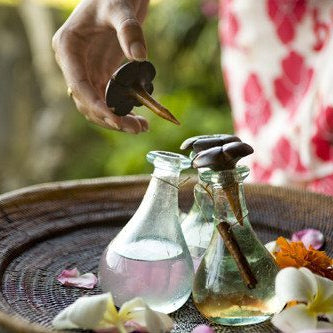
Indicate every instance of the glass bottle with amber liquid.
{"type": "Point", "coordinates": [234, 289]}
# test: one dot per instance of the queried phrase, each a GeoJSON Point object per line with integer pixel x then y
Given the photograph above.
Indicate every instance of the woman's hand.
{"type": "Point", "coordinates": [91, 45]}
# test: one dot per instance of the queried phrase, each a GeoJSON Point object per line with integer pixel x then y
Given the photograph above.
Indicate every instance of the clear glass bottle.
{"type": "Point", "coordinates": [198, 225]}
{"type": "Point", "coordinates": [149, 257]}
{"type": "Point", "coordinates": [219, 291]}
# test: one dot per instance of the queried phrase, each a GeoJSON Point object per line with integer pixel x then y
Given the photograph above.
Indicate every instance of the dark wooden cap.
{"type": "Point", "coordinates": [118, 91]}
{"type": "Point", "coordinates": [202, 142]}
{"type": "Point", "coordinates": [131, 85]}
{"type": "Point", "coordinates": [222, 157]}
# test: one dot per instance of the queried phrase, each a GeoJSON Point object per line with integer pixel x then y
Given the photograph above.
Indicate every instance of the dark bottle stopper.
{"type": "Point", "coordinates": [203, 142]}
{"type": "Point", "coordinates": [221, 157]}
{"type": "Point", "coordinates": [131, 85]}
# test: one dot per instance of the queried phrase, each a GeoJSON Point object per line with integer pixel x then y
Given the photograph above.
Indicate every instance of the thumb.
{"type": "Point", "coordinates": [129, 32]}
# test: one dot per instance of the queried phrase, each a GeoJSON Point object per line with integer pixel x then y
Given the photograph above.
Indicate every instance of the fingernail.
{"type": "Point", "coordinates": [129, 130]}
{"type": "Point", "coordinates": [138, 51]}
{"type": "Point", "coordinates": [145, 128]}
{"type": "Point", "coordinates": [112, 123]}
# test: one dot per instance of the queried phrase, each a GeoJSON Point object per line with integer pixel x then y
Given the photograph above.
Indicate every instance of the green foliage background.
{"type": "Point", "coordinates": [184, 47]}
{"type": "Point", "coordinates": [38, 147]}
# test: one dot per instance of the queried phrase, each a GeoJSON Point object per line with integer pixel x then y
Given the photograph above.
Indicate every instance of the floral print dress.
{"type": "Point", "coordinates": [277, 61]}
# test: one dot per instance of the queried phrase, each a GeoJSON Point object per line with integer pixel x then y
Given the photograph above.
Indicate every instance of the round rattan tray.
{"type": "Point", "coordinates": [47, 228]}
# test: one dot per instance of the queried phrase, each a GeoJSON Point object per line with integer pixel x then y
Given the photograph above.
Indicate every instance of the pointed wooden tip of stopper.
{"type": "Point", "coordinates": [165, 114]}
{"type": "Point", "coordinates": [173, 119]}
{"type": "Point", "coordinates": [140, 94]}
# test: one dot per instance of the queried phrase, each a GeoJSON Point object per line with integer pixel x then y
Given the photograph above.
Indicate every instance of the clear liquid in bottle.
{"type": "Point", "coordinates": [154, 269]}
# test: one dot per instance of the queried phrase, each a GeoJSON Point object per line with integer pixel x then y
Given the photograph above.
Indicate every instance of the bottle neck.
{"type": "Point", "coordinates": [201, 180]}
{"type": "Point", "coordinates": [164, 183]}
{"type": "Point", "coordinates": [161, 196]}
{"type": "Point", "coordinates": [229, 204]}
{"type": "Point", "coordinates": [202, 195]}
{"type": "Point", "coordinates": [228, 194]}
{"type": "Point", "coordinates": [169, 176]}
{"type": "Point", "coordinates": [165, 178]}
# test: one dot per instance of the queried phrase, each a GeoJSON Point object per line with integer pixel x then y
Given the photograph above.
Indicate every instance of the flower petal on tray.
{"type": "Point", "coordinates": [100, 314]}
{"type": "Point", "coordinates": [73, 278]}
{"type": "Point", "coordinates": [156, 321]}
{"type": "Point", "coordinates": [86, 312]}
{"type": "Point", "coordinates": [294, 319]}
{"type": "Point", "coordinates": [310, 300]}
{"type": "Point", "coordinates": [312, 237]}
{"type": "Point", "coordinates": [203, 329]}
{"type": "Point", "coordinates": [319, 330]}
{"type": "Point", "coordinates": [292, 284]}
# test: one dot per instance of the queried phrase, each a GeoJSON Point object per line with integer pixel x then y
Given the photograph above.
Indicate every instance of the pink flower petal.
{"type": "Point", "coordinates": [130, 326]}
{"type": "Point", "coordinates": [133, 326]}
{"type": "Point", "coordinates": [318, 330]}
{"type": "Point", "coordinates": [309, 237]}
{"type": "Point", "coordinates": [69, 273]}
{"type": "Point", "coordinates": [203, 329]}
{"type": "Point", "coordinates": [107, 330]}
{"type": "Point", "coordinates": [73, 278]}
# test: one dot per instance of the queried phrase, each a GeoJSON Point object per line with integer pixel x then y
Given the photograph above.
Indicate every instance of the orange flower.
{"type": "Point", "coordinates": [295, 254]}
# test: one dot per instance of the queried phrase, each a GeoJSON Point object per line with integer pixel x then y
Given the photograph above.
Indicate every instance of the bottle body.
{"type": "Point", "coordinates": [149, 257]}
{"type": "Point", "coordinates": [162, 279]}
{"type": "Point", "coordinates": [198, 225]}
{"type": "Point", "coordinates": [219, 292]}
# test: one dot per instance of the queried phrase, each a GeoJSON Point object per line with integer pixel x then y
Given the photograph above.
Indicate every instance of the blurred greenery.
{"type": "Point", "coordinates": [186, 54]}
{"type": "Point", "coordinates": [183, 45]}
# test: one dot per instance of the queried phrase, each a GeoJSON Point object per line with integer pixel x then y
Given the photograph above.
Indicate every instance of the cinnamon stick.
{"type": "Point", "coordinates": [232, 193]}
{"type": "Point", "coordinates": [231, 244]}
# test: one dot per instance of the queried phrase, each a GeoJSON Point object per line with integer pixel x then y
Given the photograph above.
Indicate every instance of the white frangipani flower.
{"type": "Point", "coordinates": [100, 314]}
{"type": "Point", "coordinates": [314, 297]}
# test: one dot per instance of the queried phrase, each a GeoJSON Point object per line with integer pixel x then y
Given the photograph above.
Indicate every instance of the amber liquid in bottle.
{"type": "Point", "coordinates": [225, 306]}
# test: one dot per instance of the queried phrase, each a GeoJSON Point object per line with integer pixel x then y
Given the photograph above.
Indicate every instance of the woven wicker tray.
{"type": "Point", "coordinates": [46, 228]}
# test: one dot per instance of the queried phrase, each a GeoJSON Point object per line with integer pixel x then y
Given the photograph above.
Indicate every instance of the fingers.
{"type": "Point", "coordinates": [133, 124]}
{"type": "Point", "coordinates": [92, 106]}
{"type": "Point", "coordinates": [129, 124]}
{"type": "Point", "coordinates": [121, 15]}
{"type": "Point", "coordinates": [98, 113]}
{"type": "Point", "coordinates": [143, 121]}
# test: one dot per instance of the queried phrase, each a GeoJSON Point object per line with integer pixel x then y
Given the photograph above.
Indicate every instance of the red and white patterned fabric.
{"type": "Point", "coordinates": [277, 61]}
